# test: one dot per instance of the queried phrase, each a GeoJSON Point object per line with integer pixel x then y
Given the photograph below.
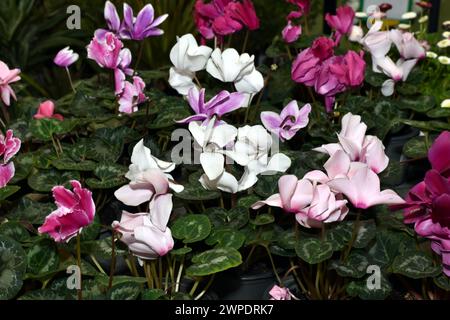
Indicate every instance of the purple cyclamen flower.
{"type": "Point", "coordinates": [65, 57]}
{"type": "Point", "coordinates": [132, 95]}
{"type": "Point", "coordinates": [286, 124]}
{"type": "Point", "coordinates": [224, 102]}
{"type": "Point", "coordinates": [142, 26]}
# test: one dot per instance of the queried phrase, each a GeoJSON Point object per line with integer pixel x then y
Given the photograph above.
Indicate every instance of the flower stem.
{"type": "Point", "coordinates": [5, 115]}
{"type": "Point", "coordinates": [244, 46]}
{"type": "Point", "coordinates": [354, 234]}
{"type": "Point", "coordinates": [70, 80]}
{"type": "Point", "coordinates": [148, 274]}
{"type": "Point", "coordinates": [180, 272]}
{"type": "Point", "coordinates": [273, 265]}
{"type": "Point", "coordinates": [194, 287]}
{"type": "Point", "coordinates": [99, 267]}
{"type": "Point", "coordinates": [201, 294]}
{"type": "Point", "coordinates": [113, 260]}
{"type": "Point", "coordinates": [80, 291]}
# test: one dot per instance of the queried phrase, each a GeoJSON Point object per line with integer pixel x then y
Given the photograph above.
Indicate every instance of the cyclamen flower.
{"type": "Point", "coordinates": [244, 13]}
{"type": "Point", "coordinates": [46, 110]}
{"type": "Point", "coordinates": [9, 145]}
{"type": "Point", "coordinates": [142, 26]}
{"type": "Point", "coordinates": [132, 95]}
{"type": "Point", "coordinates": [65, 57]}
{"type": "Point", "coordinates": [222, 103]}
{"type": "Point", "coordinates": [146, 234]}
{"type": "Point", "coordinates": [7, 77]}
{"type": "Point", "coordinates": [286, 124]}
{"type": "Point", "coordinates": [279, 293]}
{"type": "Point", "coordinates": [105, 50]}
{"type": "Point", "coordinates": [229, 66]}
{"type": "Point", "coordinates": [312, 204]}
{"type": "Point", "coordinates": [291, 32]}
{"type": "Point", "coordinates": [76, 210]}
{"type": "Point", "coordinates": [7, 172]}
{"type": "Point", "coordinates": [342, 22]}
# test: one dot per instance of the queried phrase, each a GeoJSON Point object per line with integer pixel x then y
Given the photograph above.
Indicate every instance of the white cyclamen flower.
{"type": "Point", "coordinates": [229, 66]}
{"type": "Point", "coordinates": [181, 80]}
{"type": "Point", "coordinates": [187, 55]}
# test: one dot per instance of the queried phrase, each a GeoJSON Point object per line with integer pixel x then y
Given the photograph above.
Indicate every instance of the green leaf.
{"type": "Point", "coordinates": [247, 201]}
{"type": "Point", "coordinates": [43, 294]}
{"type": "Point", "coordinates": [214, 261]}
{"type": "Point", "coordinates": [313, 250]}
{"type": "Point", "coordinates": [102, 150]}
{"type": "Point", "coordinates": [361, 289]}
{"type": "Point", "coordinates": [415, 265]}
{"type": "Point", "coordinates": [226, 238]}
{"type": "Point", "coordinates": [443, 282]}
{"type": "Point", "coordinates": [12, 267]}
{"type": "Point", "coordinates": [286, 239]}
{"type": "Point", "coordinates": [197, 192]}
{"type": "Point", "coordinates": [234, 218]}
{"type": "Point", "coordinates": [191, 228]}
{"type": "Point", "coordinates": [31, 211]}
{"type": "Point", "coordinates": [267, 185]}
{"type": "Point", "coordinates": [419, 104]}
{"type": "Point", "coordinates": [152, 294]}
{"type": "Point", "coordinates": [66, 163]}
{"type": "Point", "coordinates": [439, 112]}
{"type": "Point", "coordinates": [263, 219]}
{"type": "Point", "coordinates": [7, 191]}
{"type": "Point", "coordinates": [42, 258]}
{"type": "Point", "coordinates": [101, 248]}
{"type": "Point", "coordinates": [366, 232]}
{"type": "Point", "coordinates": [393, 174]}
{"type": "Point", "coordinates": [355, 266]}
{"type": "Point", "coordinates": [118, 279]}
{"type": "Point", "coordinates": [14, 230]}
{"type": "Point", "coordinates": [110, 176]}
{"type": "Point", "coordinates": [427, 125]}
{"type": "Point", "coordinates": [45, 129]}
{"type": "Point", "coordinates": [181, 251]}
{"type": "Point", "coordinates": [416, 148]}
{"type": "Point", "coordinates": [387, 246]}
{"type": "Point", "coordinates": [45, 180]}
{"type": "Point", "coordinates": [23, 163]}
{"type": "Point", "coordinates": [125, 291]}
{"type": "Point", "coordinates": [340, 235]}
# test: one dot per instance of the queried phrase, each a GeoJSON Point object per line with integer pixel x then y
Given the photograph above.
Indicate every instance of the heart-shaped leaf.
{"type": "Point", "coordinates": [214, 261]}
{"type": "Point", "coordinates": [313, 250]}
{"type": "Point", "coordinates": [12, 267]}
{"type": "Point", "coordinates": [415, 265]}
{"type": "Point", "coordinates": [191, 228]}
{"type": "Point", "coordinates": [45, 180]}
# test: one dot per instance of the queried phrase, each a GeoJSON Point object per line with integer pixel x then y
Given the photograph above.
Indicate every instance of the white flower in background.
{"type": "Point", "coordinates": [409, 15]}
{"type": "Point", "coordinates": [446, 34]}
{"type": "Point", "coordinates": [142, 160]}
{"type": "Point", "coordinates": [444, 60]}
{"type": "Point", "coordinates": [423, 19]}
{"type": "Point", "coordinates": [186, 54]}
{"type": "Point", "coordinates": [404, 26]}
{"type": "Point", "coordinates": [443, 43]}
{"type": "Point", "coordinates": [229, 66]}
{"type": "Point", "coordinates": [445, 103]}
{"type": "Point", "coordinates": [212, 139]}
{"type": "Point", "coordinates": [356, 34]}
{"type": "Point", "coordinates": [181, 80]}
{"type": "Point", "coordinates": [397, 72]}
{"type": "Point", "coordinates": [446, 24]}
{"type": "Point", "coordinates": [431, 55]}
{"type": "Point", "coordinates": [187, 57]}
{"type": "Point", "coordinates": [250, 85]}
{"type": "Point", "coordinates": [251, 151]}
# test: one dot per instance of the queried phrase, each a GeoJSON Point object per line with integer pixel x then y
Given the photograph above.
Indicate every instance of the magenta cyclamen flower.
{"type": "Point", "coordinates": [342, 22]}
{"type": "Point", "coordinates": [244, 13]}
{"type": "Point", "coordinates": [142, 26]}
{"type": "Point", "coordinates": [428, 203]}
{"type": "Point", "coordinates": [291, 32]}
{"type": "Point", "coordinates": [286, 124]}
{"type": "Point", "coordinates": [65, 57]}
{"type": "Point", "coordinates": [222, 103]}
{"type": "Point", "coordinates": [7, 76]}
{"type": "Point", "coordinates": [75, 210]}
{"type": "Point", "coordinates": [132, 95]}
{"type": "Point", "coordinates": [105, 50]}
{"type": "Point", "coordinates": [9, 146]}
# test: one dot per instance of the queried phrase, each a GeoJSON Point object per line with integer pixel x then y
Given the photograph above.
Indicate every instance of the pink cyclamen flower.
{"type": "Point", "coordinates": [9, 145]}
{"type": "Point", "coordinates": [222, 103]}
{"type": "Point", "coordinates": [244, 13]}
{"type": "Point", "coordinates": [146, 234]}
{"type": "Point", "coordinates": [132, 95]}
{"type": "Point", "coordinates": [7, 172]}
{"type": "Point", "coordinates": [362, 188]}
{"type": "Point", "coordinates": [279, 293]}
{"type": "Point", "coordinates": [122, 69]}
{"type": "Point", "coordinates": [65, 57]}
{"type": "Point", "coordinates": [286, 124]}
{"type": "Point", "coordinates": [307, 64]}
{"type": "Point", "coordinates": [357, 145]}
{"type": "Point", "coordinates": [342, 22]}
{"type": "Point", "coordinates": [408, 46]}
{"type": "Point", "coordinates": [312, 204]}
{"type": "Point", "coordinates": [112, 20]}
{"type": "Point", "coordinates": [46, 111]}
{"type": "Point", "coordinates": [291, 32]}
{"type": "Point", "coordinates": [75, 210]}
{"type": "Point", "coordinates": [303, 5]}
{"type": "Point", "coordinates": [7, 76]}
{"type": "Point", "coordinates": [143, 26]}
{"type": "Point", "coordinates": [105, 50]}
{"type": "Point", "coordinates": [439, 154]}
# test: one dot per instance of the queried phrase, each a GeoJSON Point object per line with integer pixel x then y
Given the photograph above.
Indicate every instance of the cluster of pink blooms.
{"type": "Point", "coordinates": [428, 203]}
{"type": "Point", "coordinates": [292, 31]}
{"type": "Point", "coordinates": [7, 77]}
{"type": "Point", "coordinates": [220, 18]}
{"type": "Point", "coordinates": [108, 51]}
{"type": "Point", "coordinates": [9, 146]}
{"type": "Point", "coordinates": [351, 173]}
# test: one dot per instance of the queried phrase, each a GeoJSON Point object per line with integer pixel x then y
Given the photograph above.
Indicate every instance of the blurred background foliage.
{"type": "Point", "coordinates": [33, 31]}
